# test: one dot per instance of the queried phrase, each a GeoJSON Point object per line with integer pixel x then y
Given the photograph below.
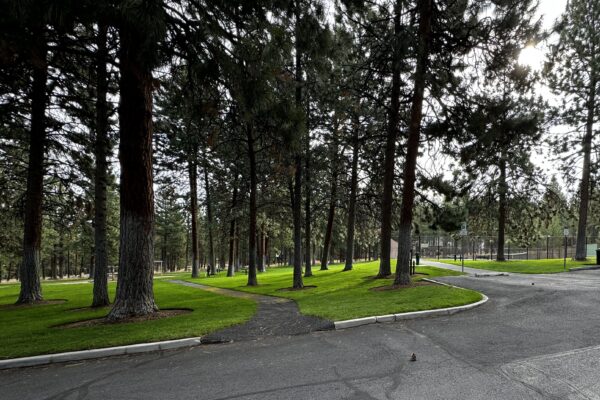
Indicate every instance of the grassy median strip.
{"type": "Point", "coordinates": [550, 266]}
{"type": "Point", "coordinates": [342, 295]}
{"type": "Point", "coordinates": [32, 330]}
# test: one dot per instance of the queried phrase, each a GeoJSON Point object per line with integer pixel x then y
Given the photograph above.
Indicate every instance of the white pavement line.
{"type": "Point", "coordinates": [98, 353]}
{"type": "Point", "coordinates": [350, 323]}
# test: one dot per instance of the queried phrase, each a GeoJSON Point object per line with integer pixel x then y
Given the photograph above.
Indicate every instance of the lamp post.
{"type": "Point", "coordinates": [463, 233]}
{"type": "Point", "coordinates": [547, 246]}
{"type": "Point", "coordinates": [566, 233]}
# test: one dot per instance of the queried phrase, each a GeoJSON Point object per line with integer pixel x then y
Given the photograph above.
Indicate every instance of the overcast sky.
{"type": "Point", "coordinates": [551, 9]}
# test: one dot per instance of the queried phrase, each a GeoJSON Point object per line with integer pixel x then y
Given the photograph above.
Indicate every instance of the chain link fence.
{"type": "Point", "coordinates": [486, 247]}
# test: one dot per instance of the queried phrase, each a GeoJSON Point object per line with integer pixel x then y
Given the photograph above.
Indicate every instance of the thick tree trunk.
{"type": "Point", "coordinates": [403, 267]}
{"type": "Point", "coordinates": [135, 295]}
{"type": "Point", "coordinates": [102, 146]}
{"type": "Point", "coordinates": [252, 280]}
{"type": "Point", "coordinates": [584, 189]}
{"type": "Point", "coordinates": [193, 180]}
{"type": "Point", "coordinates": [385, 268]}
{"type": "Point", "coordinates": [502, 192]}
{"type": "Point", "coordinates": [31, 290]}
{"type": "Point", "coordinates": [332, 203]}
{"type": "Point", "coordinates": [352, 200]}
{"type": "Point", "coordinates": [211, 267]}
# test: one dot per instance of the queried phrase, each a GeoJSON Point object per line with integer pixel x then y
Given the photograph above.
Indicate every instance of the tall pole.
{"type": "Point", "coordinates": [565, 258]}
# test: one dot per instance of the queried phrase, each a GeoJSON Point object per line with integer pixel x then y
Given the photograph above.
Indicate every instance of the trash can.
{"type": "Point", "coordinates": [597, 256]}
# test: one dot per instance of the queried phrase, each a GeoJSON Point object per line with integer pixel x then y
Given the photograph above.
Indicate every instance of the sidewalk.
{"type": "Point", "coordinates": [467, 270]}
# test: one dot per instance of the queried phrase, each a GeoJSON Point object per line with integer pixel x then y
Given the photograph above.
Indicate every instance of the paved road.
{"type": "Point", "coordinates": [529, 341]}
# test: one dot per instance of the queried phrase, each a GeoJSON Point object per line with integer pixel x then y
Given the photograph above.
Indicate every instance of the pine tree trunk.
{"type": "Point", "coordinates": [31, 290]}
{"type": "Point", "coordinates": [259, 250]}
{"type": "Point", "coordinates": [502, 192]}
{"type": "Point", "coordinates": [403, 267]}
{"type": "Point", "coordinates": [211, 268]}
{"type": "Point", "coordinates": [385, 268]}
{"type": "Point", "coordinates": [53, 274]}
{"type": "Point", "coordinates": [352, 201]}
{"type": "Point", "coordinates": [193, 181]}
{"type": "Point", "coordinates": [100, 291]}
{"type": "Point", "coordinates": [332, 203]}
{"type": "Point", "coordinates": [61, 257]}
{"type": "Point", "coordinates": [297, 217]}
{"type": "Point", "coordinates": [237, 256]}
{"type": "Point", "coordinates": [252, 280]}
{"type": "Point", "coordinates": [297, 191]}
{"type": "Point", "coordinates": [307, 214]}
{"type": "Point", "coordinates": [135, 295]}
{"type": "Point", "coordinates": [584, 190]}
{"type": "Point", "coordinates": [230, 265]}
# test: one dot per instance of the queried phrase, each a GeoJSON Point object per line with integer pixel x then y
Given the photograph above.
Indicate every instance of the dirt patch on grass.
{"type": "Point", "coordinates": [392, 276]}
{"type": "Point", "coordinates": [289, 289]}
{"type": "Point", "coordinates": [396, 287]}
{"type": "Point", "coordinates": [88, 308]}
{"type": "Point", "coordinates": [150, 317]}
{"type": "Point", "coordinates": [37, 303]}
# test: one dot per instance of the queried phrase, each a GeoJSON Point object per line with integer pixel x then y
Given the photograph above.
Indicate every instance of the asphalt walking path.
{"type": "Point", "coordinates": [275, 316]}
{"type": "Point", "coordinates": [459, 268]}
{"type": "Point", "coordinates": [538, 337]}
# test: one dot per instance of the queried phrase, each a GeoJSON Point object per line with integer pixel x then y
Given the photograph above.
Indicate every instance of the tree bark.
{"type": "Point", "coordinates": [385, 268]}
{"type": "Point", "coordinates": [352, 200]}
{"type": "Point", "coordinates": [193, 180]}
{"type": "Point", "coordinates": [232, 224]}
{"type": "Point", "coordinates": [297, 191]}
{"type": "Point", "coordinates": [307, 214]}
{"type": "Point", "coordinates": [584, 190]}
{"type": "Point", "coordinates": [297, 217]}
{"type": "Point", "coordinates": [332, 203]}
{"type": "Point", "coordinates": [135, 295]}
{"type": "Point", "coordinates": [252, 280]}
{"type": "Point", "coordinates": [502, 192]}
{"type": "Point", "coordinates": [260, 250]}
{"type": "Point", "coordinates": [403, 267]}
{"type": "Point", "coordinates": [31, 290]}
{"type": "Point", "coordinates": [211, 267]}
{"type": "Point", "coordinates": [100, 291]}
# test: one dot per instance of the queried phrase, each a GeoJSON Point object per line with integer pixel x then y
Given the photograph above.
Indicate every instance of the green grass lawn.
{"type": "Point", "coordinates": [343, 295]}
{"type": "Point", "coordinates": [30, 330]}
{"type": "Point", "coordinates": [550, 266]}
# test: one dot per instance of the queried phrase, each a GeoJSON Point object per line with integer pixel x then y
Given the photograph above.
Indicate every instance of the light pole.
{"type": "Point", "coordinates": [463, 233]}
{"type": "Point", "coordinates": [566, 233]}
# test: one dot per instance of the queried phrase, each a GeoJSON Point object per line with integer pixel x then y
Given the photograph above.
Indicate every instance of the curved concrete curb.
{"type": "Point", "coordinates": [588, 268]}
{"type": "Point", "coordinates": [350, 323]}
{"type": "Point", "coordinates": [98, 353]}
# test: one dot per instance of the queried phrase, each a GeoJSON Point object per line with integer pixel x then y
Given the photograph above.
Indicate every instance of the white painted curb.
{"type": "Point", "coordinates": [98, 353]}
{"type": "Point", "coordinates": [410, 315]}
